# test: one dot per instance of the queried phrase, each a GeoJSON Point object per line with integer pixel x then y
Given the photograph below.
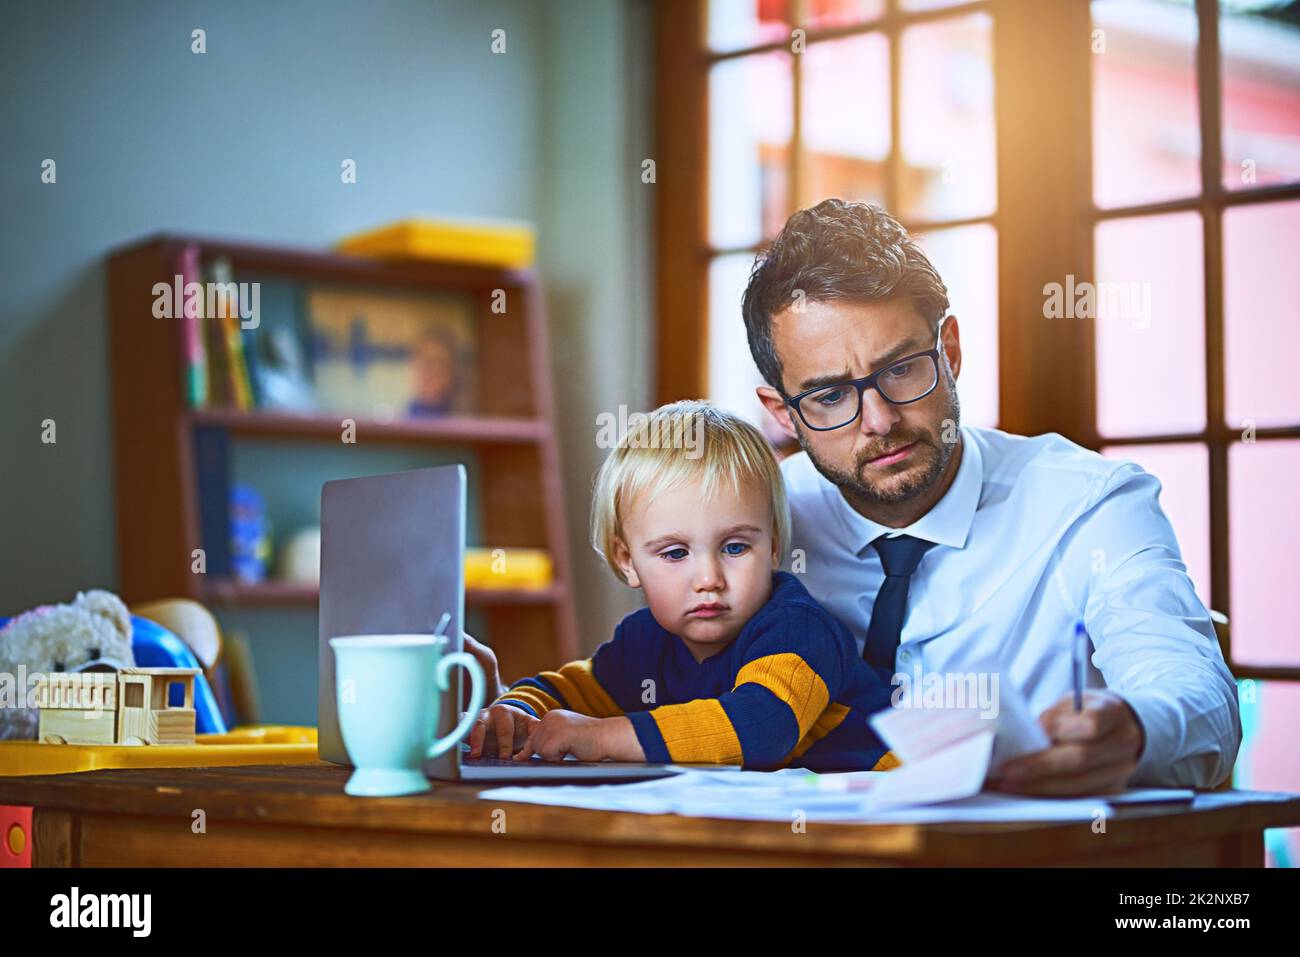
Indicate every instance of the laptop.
{"type": "Point", "coordinates": [392, 562]}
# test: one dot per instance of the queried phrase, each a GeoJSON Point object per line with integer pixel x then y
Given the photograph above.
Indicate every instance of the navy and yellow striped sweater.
{"type": "Point", "coordinates": [790, 690]}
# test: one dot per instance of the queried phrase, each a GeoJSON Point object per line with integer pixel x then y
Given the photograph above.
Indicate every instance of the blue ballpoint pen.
{"type": "Point", "coordinates": [1079, 656]}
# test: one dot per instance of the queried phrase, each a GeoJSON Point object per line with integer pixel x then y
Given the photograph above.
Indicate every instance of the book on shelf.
{"type": "Point", "coordinates": [212, 472]}
{"type": "Point", "coordinates": [227, 330]}
{"type": "Point", "coordinates": [194, 356]}
{"type": "Point", "coordinates": [214, 342]}
{"type": "Point", "coordinates": [389, 355]}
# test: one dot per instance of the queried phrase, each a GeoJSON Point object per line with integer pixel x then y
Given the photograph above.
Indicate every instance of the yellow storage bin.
{"type": "Point", "coordinates": [510, 245]}
{"type": "Point", "coordinates": [254, 744]}
{"type": "Point", "coordinates": [523, 568]}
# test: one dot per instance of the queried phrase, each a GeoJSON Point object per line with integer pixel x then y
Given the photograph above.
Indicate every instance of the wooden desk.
{"type": "Point", "coordinates": [285, 816]}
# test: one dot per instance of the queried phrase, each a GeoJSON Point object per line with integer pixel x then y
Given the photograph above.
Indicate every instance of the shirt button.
{"type": "Point", "coordinates": [905, 656]}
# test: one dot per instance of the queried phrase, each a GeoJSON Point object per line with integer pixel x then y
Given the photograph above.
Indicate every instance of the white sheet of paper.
{"type": "Point", "coordinates": [1018, 729]}
{"type": "Point", "coordinates": [917, 732]}
{"type": "Point", "coordinates": [954, 772]}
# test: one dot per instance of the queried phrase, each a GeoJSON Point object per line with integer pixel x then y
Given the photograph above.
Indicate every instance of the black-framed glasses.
{"type": "Point", "coordinates": [834, 406]}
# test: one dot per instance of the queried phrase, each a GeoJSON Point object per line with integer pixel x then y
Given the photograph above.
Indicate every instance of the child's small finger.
{"type": "Point", "coordinates": [525, 752]}
{"type": "Point", "coordinates": [505, 734]}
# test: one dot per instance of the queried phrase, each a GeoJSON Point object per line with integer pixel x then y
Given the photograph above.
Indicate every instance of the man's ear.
{"type": "Point", "coordinates": [951, 339]}
{"type": "Point", "coordinates": [776, 407]}
{"type": "Point", "coordinates": [623, 559]}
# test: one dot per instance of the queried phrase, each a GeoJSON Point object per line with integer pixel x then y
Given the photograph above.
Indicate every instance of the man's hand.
{"type": "Point", "coordinates": [563, 732]}
{"type": "Point", "coordinates": [1093, 751]}
{"type": "Point", "coordinates": [487, 660]}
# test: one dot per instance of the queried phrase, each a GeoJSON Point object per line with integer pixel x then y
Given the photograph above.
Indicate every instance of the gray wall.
{"type": "Point", "coordinates": [246, 141]}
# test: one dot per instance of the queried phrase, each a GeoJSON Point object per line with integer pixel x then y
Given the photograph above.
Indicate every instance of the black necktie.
{"type": "Point", "coordinates": [899, 556]}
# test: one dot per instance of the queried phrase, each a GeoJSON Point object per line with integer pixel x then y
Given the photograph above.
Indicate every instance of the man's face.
{"type": "Point", "coordinates": [891, 454]}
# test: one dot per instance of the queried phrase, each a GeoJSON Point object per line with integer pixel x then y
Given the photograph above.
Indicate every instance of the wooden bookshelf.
{"type": "Point", "coordinates": [512, 435]}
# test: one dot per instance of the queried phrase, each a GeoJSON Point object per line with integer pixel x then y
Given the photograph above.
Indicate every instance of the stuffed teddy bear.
{"type": "Point", "coordinates": [93, 633]}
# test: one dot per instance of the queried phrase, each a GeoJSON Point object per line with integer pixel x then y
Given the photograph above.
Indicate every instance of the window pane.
{"type": "Point", "coordinates": [1270, 714]}
{"type": "Point", "coordinates": [1145, 130]}
{"type": "Point", "coordinates": [967, 260]}
{"type": "Point", "coordinates": [1184, 473]}
{"type": "Point", "coordinates": [749, 149]}
{"type": "Point", "coordinates": [1261, 94]}
{"type": "Point", "coordinates": [732, 374]}
{"type": "Point", "coordinates": [1149, 305]}
{"type": "Point", "coordinates": [734, 24]}
{"type": "Point", "coordinates": [846, 119]}
{"type": "Point", "coordinates": [1261, 287]}
{"type": "Point", "coordinates": [839, 13]}
{"type": "Point", "coordinates": [1264, 526]}
{"type": "Point", "coordinates": [949, 160]}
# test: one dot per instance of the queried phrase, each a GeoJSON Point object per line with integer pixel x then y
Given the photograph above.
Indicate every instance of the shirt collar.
{"type": "Point", "coordinates": [947, 523]}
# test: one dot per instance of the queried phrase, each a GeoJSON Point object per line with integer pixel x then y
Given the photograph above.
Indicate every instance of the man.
{"type": "Point", "coordinates": [947, 548]}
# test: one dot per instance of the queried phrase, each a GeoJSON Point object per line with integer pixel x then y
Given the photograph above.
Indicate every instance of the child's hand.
{"type": "Point", "coordinates": [561, 732]}
{"type": "Point", "coordinates": [500, 730]}
{"type": "Point", "coordinates": [487, 660]}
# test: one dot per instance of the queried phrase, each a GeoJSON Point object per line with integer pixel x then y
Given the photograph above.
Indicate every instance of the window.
{"type": "Point", "coordinates": [1150, 148]}
{"type": "Point", "coordinates": [883, 103]}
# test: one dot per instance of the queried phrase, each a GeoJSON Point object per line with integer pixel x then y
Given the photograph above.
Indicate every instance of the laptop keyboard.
{"type": "Point", "coordinates": [487, 762]}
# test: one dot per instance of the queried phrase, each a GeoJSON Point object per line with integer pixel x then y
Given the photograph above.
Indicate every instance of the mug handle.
{"type": "Point", "coordinates": [445, 664]}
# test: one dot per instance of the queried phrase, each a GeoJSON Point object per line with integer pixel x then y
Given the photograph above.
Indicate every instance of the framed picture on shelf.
{"type": "Point", "coordinates": [390, 356]}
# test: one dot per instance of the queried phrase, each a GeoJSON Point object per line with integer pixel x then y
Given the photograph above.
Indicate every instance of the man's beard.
{"type": "Point", "coordinates": [925, 465]}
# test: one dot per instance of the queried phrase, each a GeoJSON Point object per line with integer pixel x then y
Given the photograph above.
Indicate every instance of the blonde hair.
{"type": "Point", "coordinates": [654, 454]}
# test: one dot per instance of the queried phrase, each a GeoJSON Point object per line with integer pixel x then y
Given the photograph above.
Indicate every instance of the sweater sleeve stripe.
{"type": "Point", "coordinates": [793, 681]}
{"type": "Point", "coordinates": [649, 737]}
{"type": "Point", "coordinates": [775, 702]}
{"type": "Point", "coordinates": [530, 697]}
{"type": "Point", "coordinates": [577, 683]}
{"type": "Point", "coordinates": [888, 761]}
{"type": "Point", "coordinates": [573, 688]}
{"type": "Point", "coordinates": [829, 720]}
{"type": "Point", "coordinates": [516, 703]}
{"type": "Point", "coordinates": [697, 732]}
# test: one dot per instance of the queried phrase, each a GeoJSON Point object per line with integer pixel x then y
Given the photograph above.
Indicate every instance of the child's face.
{"type": "Point", "coordinates": [705, 564]}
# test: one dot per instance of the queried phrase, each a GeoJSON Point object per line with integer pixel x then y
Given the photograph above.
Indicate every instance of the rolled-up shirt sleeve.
{"type": "Point", "coordinates": [1153, 639]}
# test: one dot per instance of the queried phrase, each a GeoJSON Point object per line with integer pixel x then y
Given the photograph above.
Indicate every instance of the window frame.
{"type": "Point", "coordinates": [1044, 217]}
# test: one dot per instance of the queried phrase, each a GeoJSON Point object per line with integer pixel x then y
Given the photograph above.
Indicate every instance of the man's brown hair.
{"type": "Point", "coordinates": [836, 251]}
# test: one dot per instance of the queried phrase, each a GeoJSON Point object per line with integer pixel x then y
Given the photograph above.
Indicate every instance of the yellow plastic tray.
{"type": "Point", "coordinates": [495, 244]}
{"type": "Point", "coordinates": [253, 744]}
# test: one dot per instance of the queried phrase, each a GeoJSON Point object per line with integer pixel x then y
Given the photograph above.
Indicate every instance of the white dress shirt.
{"type": "Point", "coordinates": [1033, 535]}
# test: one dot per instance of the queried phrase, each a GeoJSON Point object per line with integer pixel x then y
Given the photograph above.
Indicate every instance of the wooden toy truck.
{"type": "Point", "coordinates": [125, 707]}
